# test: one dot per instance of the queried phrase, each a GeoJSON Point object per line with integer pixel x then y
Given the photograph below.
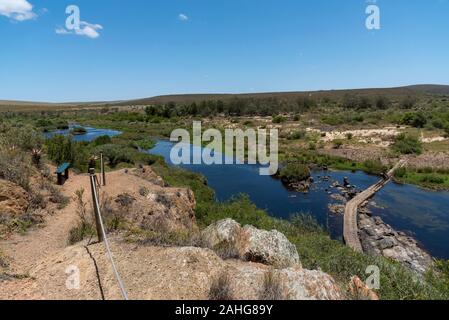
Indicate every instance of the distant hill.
{"type": "Point", "coordinates": [431, 88]}
{"type": "Point", "coordinates": [392, 93]}
{"type": "Point", "coordinates": [397, 92]}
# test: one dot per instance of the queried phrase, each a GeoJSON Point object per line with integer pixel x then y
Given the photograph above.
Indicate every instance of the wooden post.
{"type": "Point", "coordinates": [103, 174]}
{"type": "Point", "coordinates": [96, 204]}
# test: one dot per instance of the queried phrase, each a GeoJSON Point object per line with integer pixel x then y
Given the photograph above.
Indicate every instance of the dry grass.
{"type": "Point", "coordinates": [272, 287]}
{"type": "Point", "coordinates": [220, 289]}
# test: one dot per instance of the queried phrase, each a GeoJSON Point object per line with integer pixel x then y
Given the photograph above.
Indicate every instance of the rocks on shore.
{"type": "Point", "coordinates": [380, 239]}
{"type": "Point", "coordinates": [250, 244]}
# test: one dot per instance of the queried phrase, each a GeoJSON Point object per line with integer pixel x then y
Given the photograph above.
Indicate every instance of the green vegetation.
{"type": "Point", "coordinates": [407, 144]}
{"type": "Point", "coordinates": [118, 152]}
{"type": "Point", "coordinates": [279, 119]}
{"type": "Point", "coordinates": [427, 177]}
{"type": "Point", "coordinates": [315, 247]}
{"type": "Point", "coordinates": [294, 172]}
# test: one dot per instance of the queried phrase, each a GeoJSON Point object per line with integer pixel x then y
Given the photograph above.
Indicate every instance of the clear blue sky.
{"type": "Point", "coordinates": [148, 48]}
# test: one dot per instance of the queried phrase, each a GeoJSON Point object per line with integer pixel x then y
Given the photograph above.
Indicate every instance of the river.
{"type": "Point", "coordinates": [423, 214]}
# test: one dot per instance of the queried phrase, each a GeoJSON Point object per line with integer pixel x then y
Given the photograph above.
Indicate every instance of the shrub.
{"type": "Point", "coordinates": [306, 223]}
{"type": "Point", "coordinates": [102, 140]}
{"type": "Point", "coordinates": [85, 226]}
{"type": "Point", "coordinates": [294, 172]}
{"type": "Point", "coordinates": [400, 172]}
{"type": "Point", "coordinates": [145, 144]}
{"type": "Point", "coordinates": [312, 146]}
{"type": "Point", "coordinates": [220, 288]}
{"type": "Point", "coordinates": [14, 168]}
{"type": "Point", "coordinates": [374, 166]}
{"type": "Point", "coordinates": [143, 191]}
{"type": "Point", "coordinates": [278, 119]}
{"type": "Point", "coordinates": [116, 154]}
{"type": "Point", "coordinates": [407, 144]}
{"type": "Point", "coordinates": [296, 135]}
{"type": "Point", "coordinates": [338, 144]}
{"type": "Point", "coordinates": [272, 287]}
{"type": "Point", "coordinates": [60, 149]}
{"type": "Point", "coordinates": [414, 119]}
{"type": "Point", "coordinates": [37, 201]}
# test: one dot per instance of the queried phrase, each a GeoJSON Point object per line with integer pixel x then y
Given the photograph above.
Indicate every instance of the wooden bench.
{"type": "Point", "coordinates": [63, 173]}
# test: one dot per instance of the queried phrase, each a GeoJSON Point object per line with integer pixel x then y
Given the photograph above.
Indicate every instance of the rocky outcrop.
{"type": "Point", "coordinates": [171, 210]}
{"type": "Point", "coordinates": [156, 273]}
{"type": "Point", "coordinates": [150, 206]}
{"type": "Point", "coordinates": [146, 173]}
{"type": "Point", "coordinates": [250, 244]}
{"type": "Point", "coordinates": [380, 239]}
{"type": "Point", "coordinates": [13, 199]}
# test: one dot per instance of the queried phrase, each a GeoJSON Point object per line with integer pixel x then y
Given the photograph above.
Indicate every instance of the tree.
{"type": "Point", "coordinates": [407, 144]}
{"type": "Point", "coordinates": [414, 119]}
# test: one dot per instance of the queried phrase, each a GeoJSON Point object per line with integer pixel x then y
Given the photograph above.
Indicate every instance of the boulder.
{"type": "Point", "coordinates": [13, 199]}
{"type": "Point", "coordinates": [250, 244]}
{"type": "Point", "coordinates": [269, 247]}
{"type": "Point", "coordinates": [220, 232]}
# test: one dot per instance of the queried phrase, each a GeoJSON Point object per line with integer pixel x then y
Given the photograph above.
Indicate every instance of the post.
{"type": "Point", "coordinates": [95, 204]}
{"type": "Point", "coordinates": [103, 174]}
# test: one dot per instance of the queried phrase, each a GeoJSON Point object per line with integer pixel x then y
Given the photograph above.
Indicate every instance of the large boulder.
{"type": "Point", "coordinates": [13, 199]}
{"type": "Point", "coordinates": [223, 231]}
{"type": "Point", "coordinates": [268, 247]}
{"type": "Point", "coordinates": [230, 240]}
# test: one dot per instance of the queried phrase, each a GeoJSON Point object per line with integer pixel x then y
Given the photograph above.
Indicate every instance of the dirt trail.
{"type": "Point", "coordinates": [24, 251]}
{"type": "Point", "coordinates": [42, 248]}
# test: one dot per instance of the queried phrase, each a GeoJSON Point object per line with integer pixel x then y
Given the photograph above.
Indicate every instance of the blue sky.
{"type": "Point", "coordinates": [147, 48]}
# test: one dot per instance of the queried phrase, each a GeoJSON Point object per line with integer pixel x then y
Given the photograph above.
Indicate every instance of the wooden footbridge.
{"type": "Point", "coordinates": [350, 227]}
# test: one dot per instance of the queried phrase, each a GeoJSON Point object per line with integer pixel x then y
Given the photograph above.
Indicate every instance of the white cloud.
{"type": "Point", "coordinates": [183, 17]}
{"type": "Point", "coordinates": [86, 29]}
{"type": "Point", "coordinates": [19, 10]}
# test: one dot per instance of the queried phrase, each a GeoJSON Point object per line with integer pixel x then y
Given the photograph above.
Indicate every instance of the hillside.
{"type": "Point", "coordinates": [392, 93]}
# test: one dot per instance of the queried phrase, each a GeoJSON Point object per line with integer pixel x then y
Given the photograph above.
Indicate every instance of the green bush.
{"type": "Point", "coordinates": [414, 119]}
{"type": "Point", "coordinates": [116, 154]}
{"type": "Point", "coordinates": [278, 119]}
{"type": "Point", "coordinates": [294, 172]}
{"type": "Point", "coordinates": [297, 134]}
{"type": "Point", "coordinates": [374, 166]}
{"type": "Point", "coordinates": [102, 140]}
{"type": "Point", "coordinates": [407, 144]}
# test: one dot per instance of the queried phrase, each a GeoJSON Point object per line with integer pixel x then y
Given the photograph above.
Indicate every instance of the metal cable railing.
{"type": "Point", "coordinates": [101, 231]}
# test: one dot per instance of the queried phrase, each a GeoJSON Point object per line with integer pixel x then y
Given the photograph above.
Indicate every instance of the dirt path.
{"type": "Point", "coordinates": [25, 251]}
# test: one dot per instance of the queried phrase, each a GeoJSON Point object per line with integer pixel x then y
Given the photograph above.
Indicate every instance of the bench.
{"type": "Point", "coordinates": [63, 169]}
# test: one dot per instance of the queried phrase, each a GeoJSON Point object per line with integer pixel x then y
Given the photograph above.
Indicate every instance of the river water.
{"type": "Point", "coordinates": [421, 213]}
